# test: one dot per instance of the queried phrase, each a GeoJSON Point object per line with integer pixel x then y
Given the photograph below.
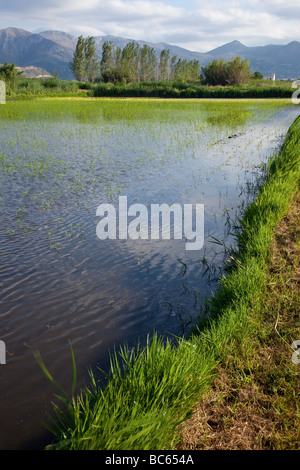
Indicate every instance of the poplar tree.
{"type": "Point", "coordinates": [194, 70]}
{"type": "Point", "coordinates": [153, 64]}
{"type": "Point", "coordinates": [173, 63]}
{"type": "Point", "coordinates": [78, 63]}
{"type": "Point", "coordinates": [130, 61]}
{"type": "Point", "coordinates": [107, 61]}
{"type": "Point", "coordinates": [91, 61]}
{"type": "Point", "coordinates": [164, 64]}
{"type": "Point", "coordinates": [145, 70]}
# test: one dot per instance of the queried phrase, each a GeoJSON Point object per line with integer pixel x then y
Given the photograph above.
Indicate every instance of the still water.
{"type": "Point", "coordinates": [59, 283]}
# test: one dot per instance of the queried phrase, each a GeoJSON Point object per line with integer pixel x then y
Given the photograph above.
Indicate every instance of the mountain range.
{"type": "Point", "coordinates": [52, 51]}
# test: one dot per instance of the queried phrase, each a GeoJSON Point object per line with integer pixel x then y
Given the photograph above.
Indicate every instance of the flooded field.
{"type": "Point", "coordinates": [59, 283]}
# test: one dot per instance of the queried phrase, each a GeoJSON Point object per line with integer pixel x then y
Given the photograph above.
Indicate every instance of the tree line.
{"type": "Point", "coordinates": [136, 63]}
{"type": "Point", "coordinates": [133, 63]}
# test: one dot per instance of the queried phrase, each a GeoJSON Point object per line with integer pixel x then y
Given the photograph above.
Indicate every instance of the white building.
{"type": "Point", "coordinates": [270, 77]}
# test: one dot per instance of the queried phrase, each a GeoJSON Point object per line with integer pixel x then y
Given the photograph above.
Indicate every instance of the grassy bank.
{"type": "Point", "coordinates": [47, 87]}
{"type": "Point", "coordinates": [254, 401]}
{"type": "Point", "coordinates": [255, 89]}
{"type": "Point", "coordinates": [151, 391]}
{"type": "Point", "coordinates": [33, 87]}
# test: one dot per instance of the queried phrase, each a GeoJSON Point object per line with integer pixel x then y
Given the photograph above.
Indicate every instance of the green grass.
{"type": "Point", "coordinates": [150, 391]}
{"type": "Point", "coordinates": [254, 401]}
{"type": "Point", "coordinates": [193, 90]}
{"type": "Point", "coordinates": [31, 87]}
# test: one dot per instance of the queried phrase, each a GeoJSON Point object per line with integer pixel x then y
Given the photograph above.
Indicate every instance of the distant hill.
{"type": "Point", "coordinates": [63, 39]}
{"type": "Point", "coordinates": [229, 50]}
{"type": "Point", "coordinates": [53, 51]}
{"type": "Point", "coordinates": [26, 49]}
{"type": "Point", "coordinates": [34, 72]}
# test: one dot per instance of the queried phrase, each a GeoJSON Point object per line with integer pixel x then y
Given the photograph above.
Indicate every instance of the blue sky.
{"type": "Point", "coordinates": [198, 25]}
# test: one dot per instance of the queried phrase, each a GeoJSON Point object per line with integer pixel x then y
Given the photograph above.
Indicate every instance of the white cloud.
{"type": "Point", "coordinates": [77, 5]}
{"type": "Point", "coordinates": [199, 25]}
